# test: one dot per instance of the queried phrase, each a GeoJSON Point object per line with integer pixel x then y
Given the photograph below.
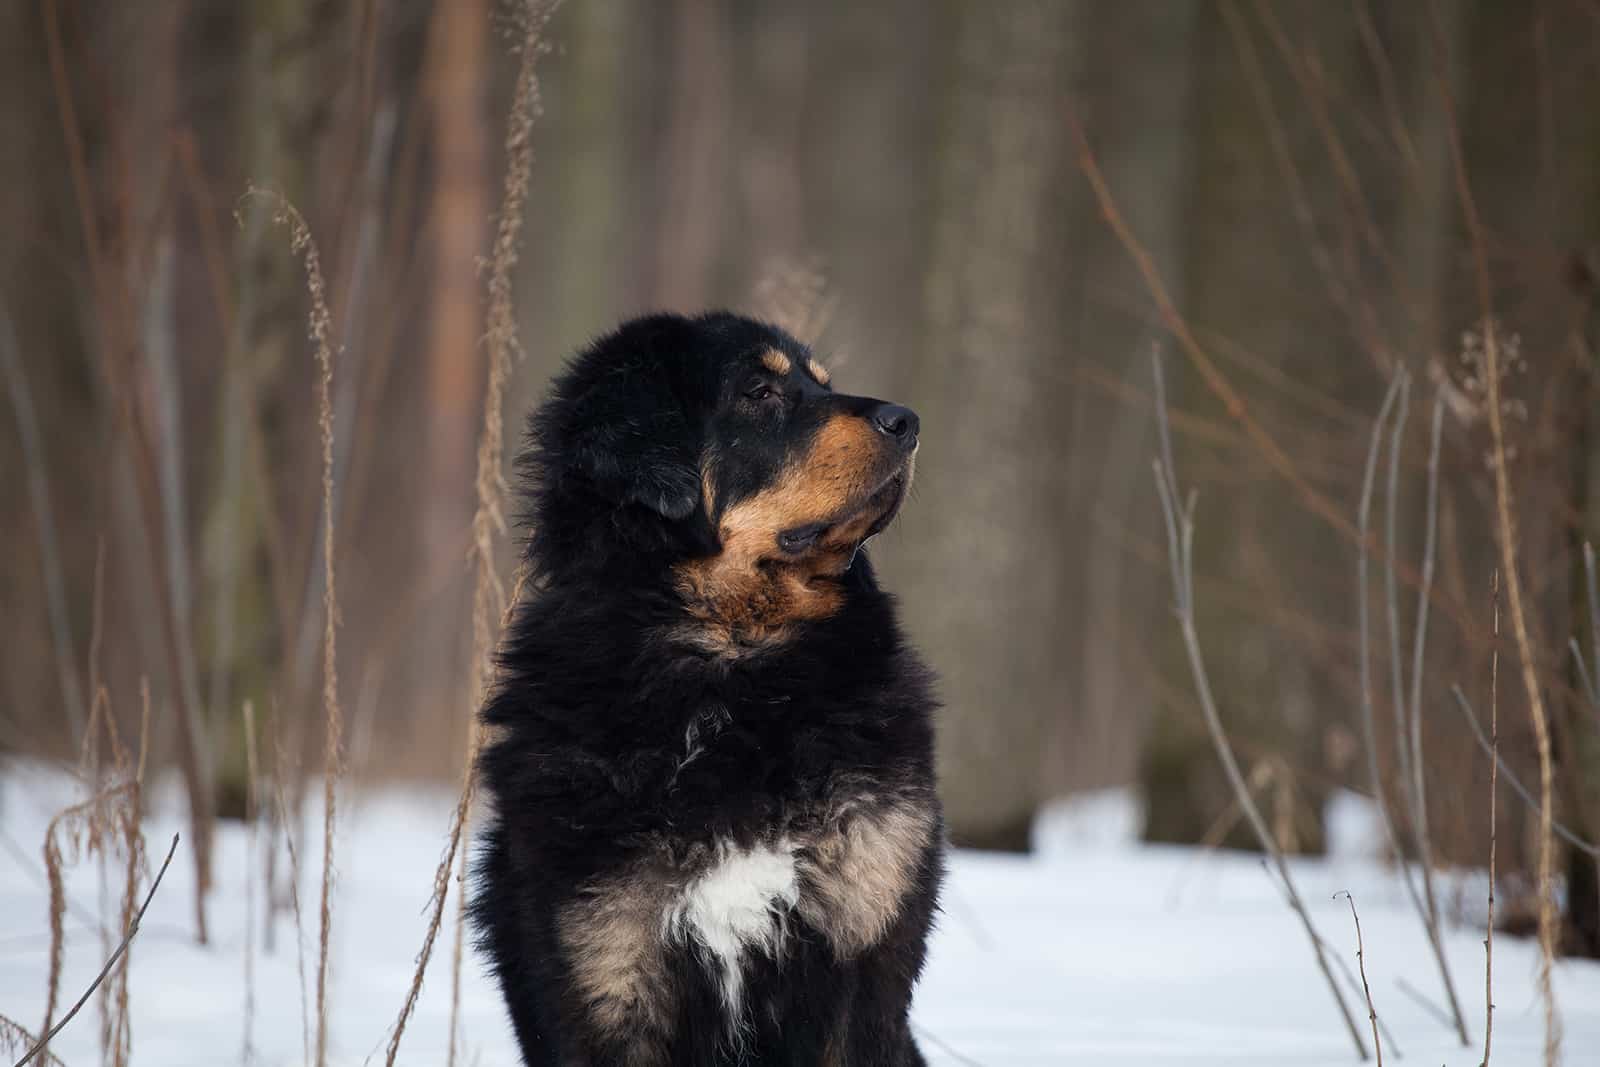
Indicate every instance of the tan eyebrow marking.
{"type": "Point", "coordinates": [818, 371]}
{"type": "Point", "coordinates": [776, 361]}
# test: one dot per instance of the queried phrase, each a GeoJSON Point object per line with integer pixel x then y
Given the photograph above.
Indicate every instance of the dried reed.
{"type": "Point", "coordinates": [1178, 513]}
{"type": "Point", "coordinates": [302, 244]}
{"type": "Point", "coordinates": [90, 828]}
{"type": "Point", "coordinates": [1506, 536]}
{"type": "Point", "coordinates": [132, 827]}
{"type": "Point", "coordinates": [489, 599]}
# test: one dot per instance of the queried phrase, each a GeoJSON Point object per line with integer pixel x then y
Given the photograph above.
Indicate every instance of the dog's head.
{"type": "Point", "coordinates": [725, 437]}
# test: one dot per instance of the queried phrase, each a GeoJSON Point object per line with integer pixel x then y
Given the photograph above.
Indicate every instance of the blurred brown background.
{"type": "Point", "coordinates": [910, 174]}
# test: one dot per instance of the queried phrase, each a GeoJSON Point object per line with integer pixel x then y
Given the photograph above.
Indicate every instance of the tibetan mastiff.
{"type": "Point", "coordinates": [715, 836]}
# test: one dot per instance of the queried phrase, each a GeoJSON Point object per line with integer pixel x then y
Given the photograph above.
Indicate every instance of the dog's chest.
{"type": "Point", "coordinates": [739, 904]}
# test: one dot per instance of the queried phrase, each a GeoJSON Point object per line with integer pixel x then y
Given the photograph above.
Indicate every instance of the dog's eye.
{"type": "Point", "coordinates": [760, 392]}
{"type": "Point", "coordinates": [800, 538]}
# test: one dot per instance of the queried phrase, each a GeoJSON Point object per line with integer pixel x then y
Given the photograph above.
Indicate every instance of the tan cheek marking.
{"type": "Point", "coordinates": [611, 936]}
{"type": "Point", "coordinates": [857, 872]}
{"type": "Point", "coordinates": [776, 361]}
{"type": "Point", "coordinates": [818, 371]}
{"type": "Point", "coordinates": [739, 589]}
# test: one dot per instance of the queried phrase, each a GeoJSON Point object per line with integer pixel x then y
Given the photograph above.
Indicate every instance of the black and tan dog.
{"type": "Point", "coordinates": [715, 837]}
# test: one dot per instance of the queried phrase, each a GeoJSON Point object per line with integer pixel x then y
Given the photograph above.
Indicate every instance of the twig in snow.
{"type": "Point", "coordinates": [1350, 979]}
{"type": "Point", "coordinates": [1179, 516]}
{"type": "Point", "coordinates": [133, 928]}
{"type": "Point", "coordinates": [1427, 914]}
{"type": "Point", "coordinates": [1494, 771]}
{"type": "Point", "coordinates": [1361, 965]}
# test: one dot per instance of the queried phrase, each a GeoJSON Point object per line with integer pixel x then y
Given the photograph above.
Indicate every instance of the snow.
{"type": "Point", "coordinates": [1092, 950]}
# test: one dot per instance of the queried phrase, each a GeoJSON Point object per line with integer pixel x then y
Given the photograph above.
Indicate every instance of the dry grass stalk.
{"type": "Point", "coordinates": [1361, 965]}
{"type": "Point", "coordinates": [489, 599]}
{"type": "Point", "coordinates": [90, 828]}
{"type": "Point", "coordinates": [302, 244]}
{"type": "Point", "coordinates": [1178, 513]}
{"type": "Point", "coordinates": [1506, 535]}
{"type": "Point", "coordinates": [132, 827]}
{"type": "Point", "coordinates": [133, 928]}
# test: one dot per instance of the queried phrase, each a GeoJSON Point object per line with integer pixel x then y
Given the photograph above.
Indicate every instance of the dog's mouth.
{"type": "Point", "coordinates": [849, 530]}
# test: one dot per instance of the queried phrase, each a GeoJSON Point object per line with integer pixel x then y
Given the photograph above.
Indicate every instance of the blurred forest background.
{"type": "Point", "coordinates": [1293, 183]}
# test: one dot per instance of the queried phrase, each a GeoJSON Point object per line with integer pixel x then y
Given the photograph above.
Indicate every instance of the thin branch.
{"type": "Point", "coordinates": [1391, 593]}
{"type": "Point", "coordinates": [1418, 646]}
{"type": "Point", "coordinates": [1317, 502]}
{"type": "Point", "coordinates": [133, 928]}
{"type": "Point", "coordinates": [1361, 965]}
{"type": "Point", "coordinates": [1492, 749]}
{"type": "Point", "coordinates": [1180, 539]}
{"type": "Point", "coordinates": [1369, 731]}
{"type": "Point", "coordinates": [1594, 633]}
{"type": "Point", "coordinates": [1369, 727]}
{"type": "Point", "coordinates": [1413, 781]}
{"type": "Point", "coordinates": [1583, 674]}
{"type": "Point", "coordinates": [1494, 771]}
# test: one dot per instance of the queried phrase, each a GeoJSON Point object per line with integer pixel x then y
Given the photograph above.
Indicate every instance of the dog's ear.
{"type": "Point", "coordinates": [633, 437]}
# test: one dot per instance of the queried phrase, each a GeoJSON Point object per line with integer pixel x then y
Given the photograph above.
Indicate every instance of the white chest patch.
{"type": "Point", "coordinates": [740, 903]}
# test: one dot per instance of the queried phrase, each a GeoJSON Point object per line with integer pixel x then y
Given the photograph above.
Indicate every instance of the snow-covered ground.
{"type": "Point", "coordinates": [1093, 950]}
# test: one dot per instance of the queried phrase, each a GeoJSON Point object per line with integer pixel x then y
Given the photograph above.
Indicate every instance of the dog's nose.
{"type": "Point", "coordinates": [896, 421]}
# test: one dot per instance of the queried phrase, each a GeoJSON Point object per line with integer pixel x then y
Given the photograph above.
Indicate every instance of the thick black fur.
{"type": "Point", "coordinates": [587, 767]}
